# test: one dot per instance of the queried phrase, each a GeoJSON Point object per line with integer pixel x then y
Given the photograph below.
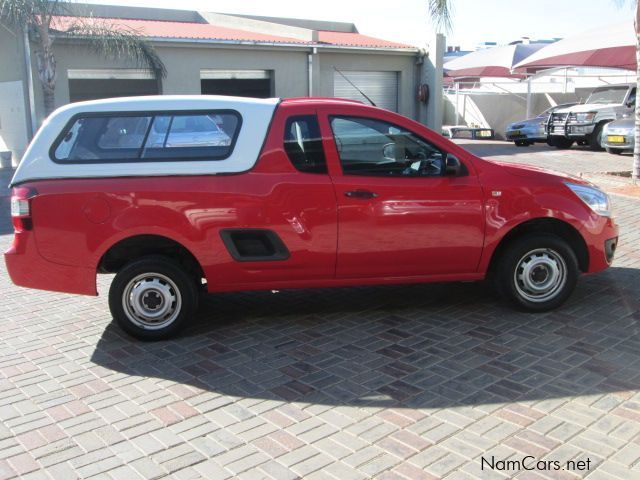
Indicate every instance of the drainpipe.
{"type": "Point", "coordinates": [314, 51]}
{"type": "Point", "coordinates": [457, 110]}
{"type": "Point", "coordinates": [529, 103]}
{"type": "Point", "coordinates": [32, 125]}
{"type": "Point", "coordinates": [417, 81]}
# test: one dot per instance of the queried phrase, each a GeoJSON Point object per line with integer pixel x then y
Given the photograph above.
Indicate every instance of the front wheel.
{"type": "Point", "coordinates": [152, 298]}
{"type": "Point", "coordinates": [595, 139]}
{"type": "Point", "coordinates": [537, 272]}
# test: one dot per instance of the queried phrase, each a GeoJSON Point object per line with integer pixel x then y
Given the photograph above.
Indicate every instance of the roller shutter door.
{"type": "Point", "coordinates": [381, 87]}
{"type": "Point", "coordinates": [237, 83]}
{"type": "Point", "coordinates": [98, 84]}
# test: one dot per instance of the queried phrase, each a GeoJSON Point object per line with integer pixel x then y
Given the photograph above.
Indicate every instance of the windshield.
{"type": "Point", "coordinates": [608, 95]}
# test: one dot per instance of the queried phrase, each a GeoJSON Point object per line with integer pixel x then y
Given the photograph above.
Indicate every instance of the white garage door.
{"type": "Point", "coordinates": [381, 87]}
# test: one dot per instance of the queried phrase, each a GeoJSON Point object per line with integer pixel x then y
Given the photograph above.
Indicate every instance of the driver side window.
{"type": "Point", "coordinates": [372, 147]}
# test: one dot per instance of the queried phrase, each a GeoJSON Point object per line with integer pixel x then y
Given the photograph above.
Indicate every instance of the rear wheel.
{"type": "Point", "coordinates": [537, 272]}
{"type": "Point", "coordinates": [152, 298]}
{"type": "Point", "coordinates": [614, 151]}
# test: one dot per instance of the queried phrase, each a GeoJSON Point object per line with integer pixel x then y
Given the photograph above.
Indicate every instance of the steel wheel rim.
{"type": "Point", "coordinates": [152, 301]}
{"type": "Point", "coordinates": [540, 275]}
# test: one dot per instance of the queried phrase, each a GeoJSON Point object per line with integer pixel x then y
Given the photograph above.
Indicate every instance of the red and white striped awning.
{"type": "Point", "coordinates": [611, 46]}
{"type": "Point", "coordinates": [490, 62]}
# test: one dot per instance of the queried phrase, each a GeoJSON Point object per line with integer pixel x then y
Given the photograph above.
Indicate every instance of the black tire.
{"type": "Point", "coordinates": [167, 297]}
{"type": "Point", "coordinates": [521, 143]}
{"type": "Point", "coordinates": [561, 143]}
{"type": "Point", "coordinates": [614, 151]}
{"type": "Point", "coordinates": [555, 267]}
{"type": "Point", "coordinates": [596, 137]}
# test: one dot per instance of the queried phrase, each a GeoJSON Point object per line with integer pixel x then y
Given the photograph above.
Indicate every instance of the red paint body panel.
{"type": "Point", "coordinates": [28, 269]}
{"type": "Point", "coordinates": [415, 230]}
{"type": "Point", "coordinates": [414, 226]}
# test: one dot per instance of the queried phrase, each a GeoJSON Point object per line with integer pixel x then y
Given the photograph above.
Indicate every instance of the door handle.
{"type": "Point", "coordinates": [360, 194]}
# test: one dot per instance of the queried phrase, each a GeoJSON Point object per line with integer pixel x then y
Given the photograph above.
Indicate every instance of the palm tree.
{"type": "Point", "coordinates": [440, 11]}
{"type": "Point", "coordinates": [39, 18]}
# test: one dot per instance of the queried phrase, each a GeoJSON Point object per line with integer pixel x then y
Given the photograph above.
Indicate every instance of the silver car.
{"type": "Point", "coordinates": [618, 136]}
{"type": "Point", "coordinates": [527, 132]}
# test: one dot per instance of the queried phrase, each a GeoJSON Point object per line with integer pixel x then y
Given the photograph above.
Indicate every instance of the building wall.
{"type": "Point", "coordinates": [499, 110]}
{"type": "Point", "coordinates": [357, 61]}
{"type": "Point", "coordinates": [183, 68]}
{"type": "Point", "coordinates": [289, 66]}
{"type": "Point", "coordinates": [14, 107]}
{"type": "Point", "coordinates": [431, 71]}
{"type": "Point", "coordinates": [13, 119]}
{"type": "Point", "coordinates": [184, 64]}
{"type": "Point", "coordinates": [11, 54]}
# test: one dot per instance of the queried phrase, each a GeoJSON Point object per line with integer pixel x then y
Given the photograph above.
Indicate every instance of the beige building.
{"type": "Point", "coordinates": [210, 53]}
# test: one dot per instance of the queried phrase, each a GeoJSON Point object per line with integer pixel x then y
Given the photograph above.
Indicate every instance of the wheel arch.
{"type": "Point", "coordinates": [552, 226]}
{"type": "Point", "coordinates": [599, 127]}
{"type": "Point", "coordinates": [130, 248]}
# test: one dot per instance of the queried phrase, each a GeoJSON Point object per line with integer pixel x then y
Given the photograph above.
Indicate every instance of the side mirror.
{"type": "Point", "coordinates": [453, 166]}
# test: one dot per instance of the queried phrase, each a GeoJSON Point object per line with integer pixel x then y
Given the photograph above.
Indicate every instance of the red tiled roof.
{"type": "Point", "coordinates": [206, 31]}
{"type": "Point", "coordinates": [178, 30]}
{"type": "Point", "coordinates": [356, 40]}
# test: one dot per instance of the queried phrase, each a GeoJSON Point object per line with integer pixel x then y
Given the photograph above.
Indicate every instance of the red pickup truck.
{"type": "Point", "coordinates": [178, 195]}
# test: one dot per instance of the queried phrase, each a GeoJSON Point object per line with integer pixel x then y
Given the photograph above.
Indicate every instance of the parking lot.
{"type": "Point", "coordinates": [397, 382]}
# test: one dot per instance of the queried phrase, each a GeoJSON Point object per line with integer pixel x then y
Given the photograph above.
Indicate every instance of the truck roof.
{"type": "Point", "coordinates": [187, 102]}
{"type": "Point", "coordinates": [161, 102]}
{"type": "Point", "coordinates": [322, 100]}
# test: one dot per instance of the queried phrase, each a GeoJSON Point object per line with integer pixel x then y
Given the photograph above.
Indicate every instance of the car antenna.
{"type": "Point", "coordinates": [353, 85]}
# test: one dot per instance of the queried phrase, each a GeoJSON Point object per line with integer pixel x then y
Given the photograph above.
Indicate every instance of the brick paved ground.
{"type": "Point", "coordinates": [393, 382]}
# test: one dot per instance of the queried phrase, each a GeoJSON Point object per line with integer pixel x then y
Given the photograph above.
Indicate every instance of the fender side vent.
{"type": "Point", "coordinates": [254, 245]}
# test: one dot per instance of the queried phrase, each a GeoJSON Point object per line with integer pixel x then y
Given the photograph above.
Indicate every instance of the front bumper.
{"type": "Point", "coordinates": [28, 269]}
{"type": "Point", "coordinates": [628, 144]}
{"type": "Point", "coordinates": [534, 135]}
{"type": "Point", "coordinates": [601, 237]}
{"type": "Point", "coordinates": [571, 130]}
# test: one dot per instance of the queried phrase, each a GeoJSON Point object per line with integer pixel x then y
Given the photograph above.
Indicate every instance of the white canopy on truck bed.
{"type": "Point", "coordinates": [255, 117]}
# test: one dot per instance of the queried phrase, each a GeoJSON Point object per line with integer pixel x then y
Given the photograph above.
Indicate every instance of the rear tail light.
{"type": "Point", "coordinates": [21, 208]}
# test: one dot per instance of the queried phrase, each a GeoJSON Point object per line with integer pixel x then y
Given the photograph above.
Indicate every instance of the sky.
{"type": "Point", "coordinates": [407, 21]}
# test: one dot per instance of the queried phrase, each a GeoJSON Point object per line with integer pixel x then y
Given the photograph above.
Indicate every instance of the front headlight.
{"type": "Point", "coordinates": [585, 117]}
{"type": "Point", "coordinates": [595, 198]}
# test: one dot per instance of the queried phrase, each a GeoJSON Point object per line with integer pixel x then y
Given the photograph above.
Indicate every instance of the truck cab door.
{"type": "Point", "coordinates": [399, 213]}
